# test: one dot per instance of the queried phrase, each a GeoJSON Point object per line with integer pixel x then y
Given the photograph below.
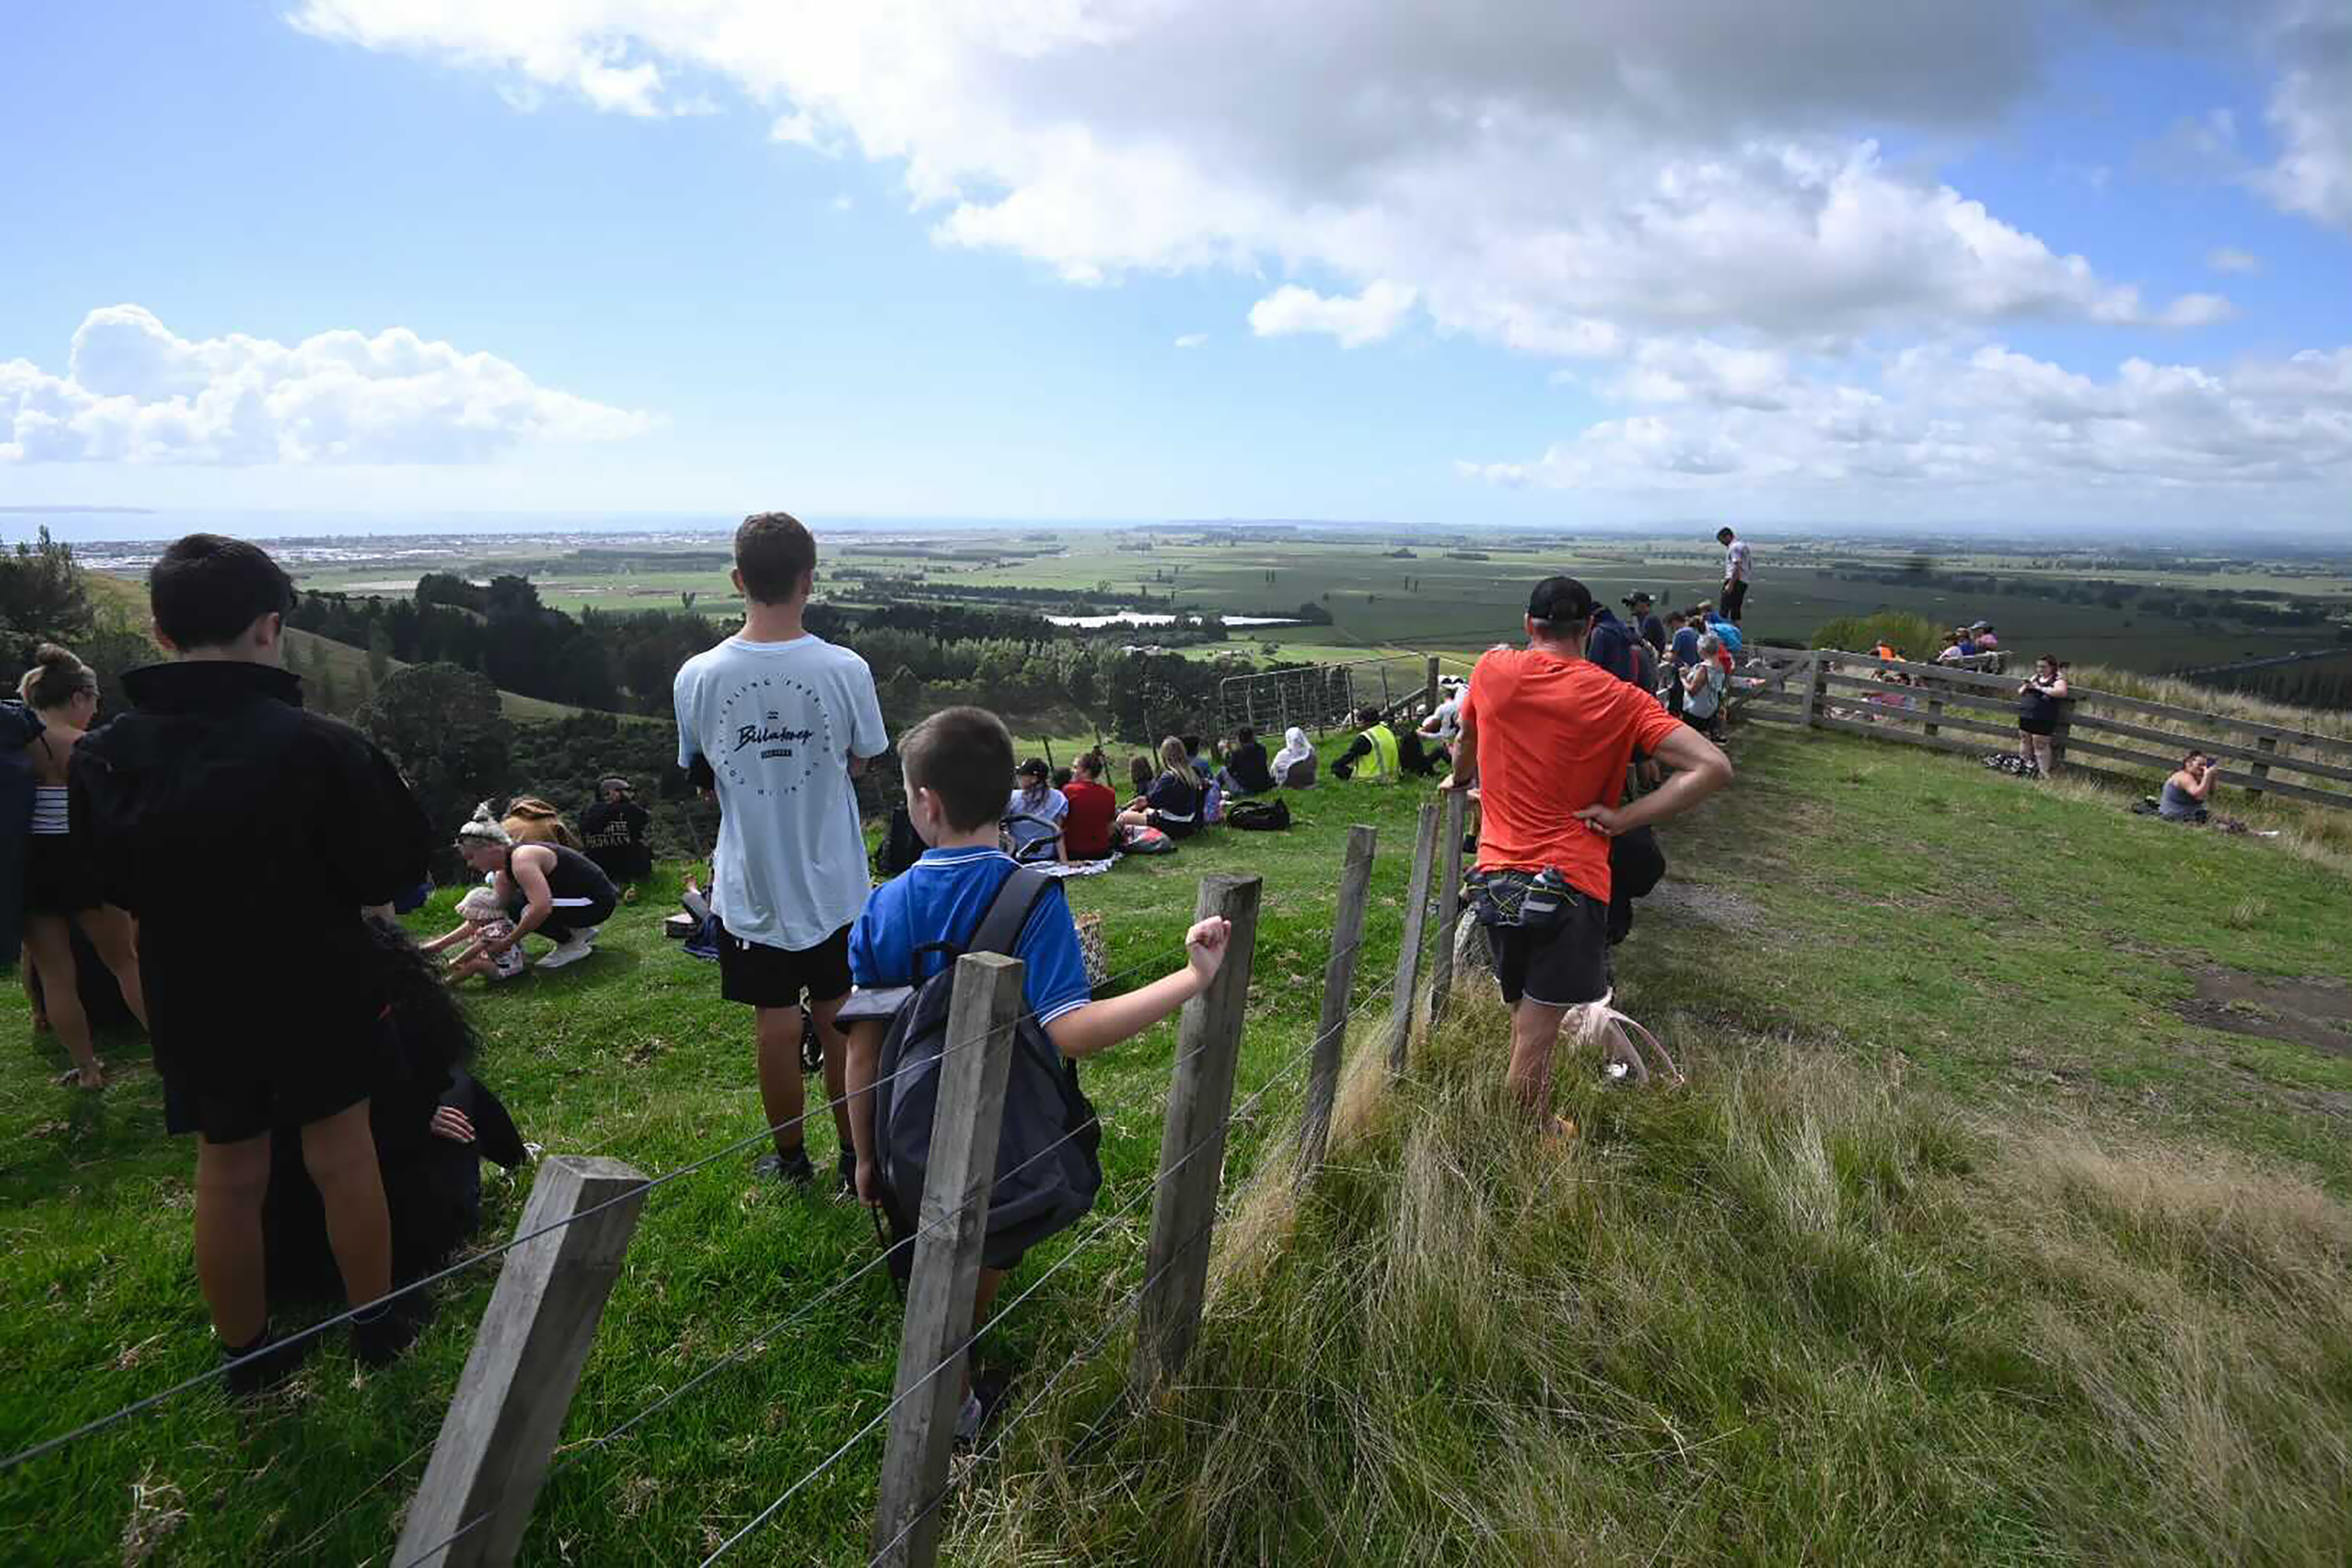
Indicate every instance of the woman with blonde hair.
{"type": "Point", "coordinates": [1172, 804]}
{"type": "Point", "coordinates": [531, 820]}
{"type": "Point", "coordinates": [61, 885]}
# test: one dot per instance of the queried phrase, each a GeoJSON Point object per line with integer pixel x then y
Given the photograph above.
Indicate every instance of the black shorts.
{"type": "Point", "coordinates": [758, 975]}
{"type": "Point", "coordinates": [1561, 967]}
{"type": "Point", "coordinates": [2043, 727]}
{"type": "Point", "coordinates": [278, 1090]}
{"type": "Point", "coordinates": [58, 878]}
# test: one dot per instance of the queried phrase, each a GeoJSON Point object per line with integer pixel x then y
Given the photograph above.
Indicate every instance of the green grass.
{"type": "Point", "coordinates": [632, 1054]}
{"type": "Point", "coordinates": [1965, 1245]}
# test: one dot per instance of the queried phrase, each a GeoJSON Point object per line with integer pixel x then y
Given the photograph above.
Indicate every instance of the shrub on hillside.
{"type": "Point", "coordinates": [1913, 636]}
{"type": "Point", "coordinates": [443, 726]}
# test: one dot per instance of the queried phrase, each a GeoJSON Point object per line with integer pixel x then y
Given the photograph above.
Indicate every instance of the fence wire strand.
{"type": "Point", "coordinates": [99, 1424]}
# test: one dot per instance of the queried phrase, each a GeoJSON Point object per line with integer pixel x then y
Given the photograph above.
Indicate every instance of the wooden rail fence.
{"type": "Point", "coordinates": [1964, 711]}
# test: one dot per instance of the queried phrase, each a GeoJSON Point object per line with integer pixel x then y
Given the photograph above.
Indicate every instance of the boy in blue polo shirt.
{"type": "Point", "coordinates": [956, 762]}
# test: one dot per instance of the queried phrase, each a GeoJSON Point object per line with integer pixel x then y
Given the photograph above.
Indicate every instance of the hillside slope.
{"type": "Point", "coordinates": [1974, 1238]}
{"type": "Point", "coordinates": [313, 656]}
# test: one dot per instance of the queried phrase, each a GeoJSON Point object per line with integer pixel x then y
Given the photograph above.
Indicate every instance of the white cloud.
{"type": "Point", "coordinates": [134, 391]}
{"type": "Point", "coordinates": [1937, 421]}
{"type": "Point", "coordinates": [1192, 340]}
{"type": "Point", "coordinates": [1365, 318]}
{"type": "Point", "coordinates": [1560, 179]}
{"type": "Point", "coordinates": [2310, 113]}
{"type": "Point", "coordinates": [2197, 310]}
{"type": "Point", "coordinates": [2227, 260]}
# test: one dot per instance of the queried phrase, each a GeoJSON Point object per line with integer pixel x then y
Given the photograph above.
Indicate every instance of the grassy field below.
{"type": "Point", "coordinates": [2004, 1219]}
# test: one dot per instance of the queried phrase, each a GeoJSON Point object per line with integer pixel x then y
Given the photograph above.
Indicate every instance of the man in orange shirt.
{"type": "Point", "coordinates": [1546, 736]}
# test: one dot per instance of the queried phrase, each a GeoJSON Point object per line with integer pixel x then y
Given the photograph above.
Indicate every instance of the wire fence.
{"type": "Point", "coordinates": [137, 1407]}
{"type": "Point", "coordinates": [1100, 1228]}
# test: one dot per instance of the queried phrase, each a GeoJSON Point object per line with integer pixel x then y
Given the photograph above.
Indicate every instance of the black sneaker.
{"type": "Point", "coordinates": [847, 1167]}
{"type": "Point", "coordinates": [980, 1410]}
{"type": "Point", "coordinates": [796, 1169]}
{"type": "Point", "coordinates": [252, 1374]}
{"type": "Point", "coordinates": [380, 1341]}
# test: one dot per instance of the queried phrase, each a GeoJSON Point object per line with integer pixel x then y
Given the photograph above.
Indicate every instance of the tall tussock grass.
{"type": "Point", "coordinates": [1795, 1312]}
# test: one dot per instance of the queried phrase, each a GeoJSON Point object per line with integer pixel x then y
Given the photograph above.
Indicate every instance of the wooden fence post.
{"type": "Point", "coordinates": [1338, 981]}
{"type": "Point", "coordinates": [1193, 1145]}
{"type": "Point", "coordinates": [1449, 904]}
{"type": "Point", "coordinates": [2058, 733]}
{"type": "Point", "coordinates": [491, 1459]}
{"type": "Point", "coordinates": [1429, 694]}
{"type": "Point", "coordinates": [2267, 743]}
{"type": "Point", "coordinates": [953, 1222]}
{"type": "Point", "coordinates": [1813, 687]}
{"type": "Point", "coordinates": [1416, 922]}
{"type": "Point", "coordinates": [1935, 708]}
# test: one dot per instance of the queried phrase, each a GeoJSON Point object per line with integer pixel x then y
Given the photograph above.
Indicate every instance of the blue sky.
{"type": "Point", "coordinates": [1617, 267]}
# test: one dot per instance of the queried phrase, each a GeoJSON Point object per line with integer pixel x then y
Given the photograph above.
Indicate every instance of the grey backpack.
{"type": "Point", "coordinates": [1048, 1160]}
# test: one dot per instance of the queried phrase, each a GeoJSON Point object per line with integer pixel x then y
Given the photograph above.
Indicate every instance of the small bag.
{"type": "Point", "coordinates": [1258, 816]}
{"type": "Point", "coordinates": [1531, 900]}
{"type": "Point", "coordinates": [1147, 841]}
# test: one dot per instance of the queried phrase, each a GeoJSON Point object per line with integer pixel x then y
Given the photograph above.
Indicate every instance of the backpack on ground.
{"type": "Point", "coordinates": [1048, 1164]}
{"type": "Point", "coordinates": [1212, 803]}
{"type": "Point", "coordinates": [1258, 816]}
{"type": "Point", "coordinates": [1140, 840]}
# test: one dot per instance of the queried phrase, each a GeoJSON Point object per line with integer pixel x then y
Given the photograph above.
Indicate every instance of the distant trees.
{"type": "Point", "coordinates": [443, 727]}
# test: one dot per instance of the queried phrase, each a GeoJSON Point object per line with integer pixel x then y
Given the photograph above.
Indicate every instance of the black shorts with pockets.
{"type": "Point", "coordinates": [1563, 966]}
{"type": "Point", "coordinates": [754, 974]}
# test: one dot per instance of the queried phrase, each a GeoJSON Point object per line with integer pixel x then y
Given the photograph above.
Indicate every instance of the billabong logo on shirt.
{"type": "Point", "coordinates": [788, 745]}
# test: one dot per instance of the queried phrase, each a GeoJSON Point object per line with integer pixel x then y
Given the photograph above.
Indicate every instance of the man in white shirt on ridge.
{"type": "Point", "coordinates": [1735, 567]}
{"type": "Point", "coordinates": [778, 722]}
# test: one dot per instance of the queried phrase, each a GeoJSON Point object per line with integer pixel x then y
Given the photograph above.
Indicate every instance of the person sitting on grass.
{"type": "Point", "coordinates": [1172, 801]}
{"type": "Point", "coordinates": [1032, 817]}
{"type": "Point", "coordinates": [2038, 712]}
{"type": "Point", "coordinates": [1293, 765]}
{"type": "Point", "coordinates": [552, 889]}
{"type": "Point", "coordinates": [955, 762]}
{"type": "Point", "coordinates": [1139, 774]}
{"type": "Point", "coordinates": [1374, 750]}
{"type": "Point", "coordinates": [1088, 828]}
{"type": "Point", "coordinates": [2188, 790]}
{"type": "Point", "coordinates": [1245, 772]}
{"type": "Point", "coordinates": [485, 923]}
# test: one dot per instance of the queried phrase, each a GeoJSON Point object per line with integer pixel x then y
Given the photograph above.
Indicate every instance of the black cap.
{"type": "Point", "coordinates": [1636, 600]}
{"type": "Point", "coordinates": [1558, 599]}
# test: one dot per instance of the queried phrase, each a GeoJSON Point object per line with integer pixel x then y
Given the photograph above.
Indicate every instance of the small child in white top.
{"type": "Point", "coordinates": [485, 922]}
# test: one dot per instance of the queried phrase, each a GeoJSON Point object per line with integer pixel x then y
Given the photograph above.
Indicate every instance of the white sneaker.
{"type": "Point", "coordinates": [570, 951]}
{"type": "Point", "coordinates": [590, 935]}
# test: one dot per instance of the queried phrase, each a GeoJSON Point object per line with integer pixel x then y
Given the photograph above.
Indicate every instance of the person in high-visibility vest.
{"type": "Point", "coordinates": [1378, 742]}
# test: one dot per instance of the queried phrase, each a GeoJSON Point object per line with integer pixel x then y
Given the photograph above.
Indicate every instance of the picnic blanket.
{"type": "Point", "coordinates": [1067, 869]}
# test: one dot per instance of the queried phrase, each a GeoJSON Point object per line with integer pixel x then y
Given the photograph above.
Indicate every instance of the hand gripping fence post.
{"type": "Point", "coordinates": [1209, 1044]}
{"type": "Point", "coordinates": [946, 1276]}
{"type": "Point", "coordinates": [476, 1495]}
{"type": "Point", "coordinates": [1449, 905]}
{"type": "Point", "coordinates": [1416, 922]}
{"type": "Point", "coordinates": [1338, 981]}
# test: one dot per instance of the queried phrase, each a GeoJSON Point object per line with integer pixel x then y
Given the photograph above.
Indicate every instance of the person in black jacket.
{"type": "Point", "coordinates": [218, 809]}
{"type": "Point", "coordinates": [613, 832]}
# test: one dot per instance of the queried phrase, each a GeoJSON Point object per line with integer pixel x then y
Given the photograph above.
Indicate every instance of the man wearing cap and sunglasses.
{"type": "Point", "coordinates": [1546, 737]}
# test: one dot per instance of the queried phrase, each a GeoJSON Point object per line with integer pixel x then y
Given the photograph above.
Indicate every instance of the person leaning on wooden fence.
{"type": "Point", "coordinates": [2038, 714]}
{"type": "Point", "coordinates": [956, 762]}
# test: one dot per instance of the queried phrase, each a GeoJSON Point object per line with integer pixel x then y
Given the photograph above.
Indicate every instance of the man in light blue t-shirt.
{"type": "Point", "coordinates": [778, 722]}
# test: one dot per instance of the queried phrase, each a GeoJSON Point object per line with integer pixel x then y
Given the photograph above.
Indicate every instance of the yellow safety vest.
{"type": "Point", "coordinates": [1384, 752]}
